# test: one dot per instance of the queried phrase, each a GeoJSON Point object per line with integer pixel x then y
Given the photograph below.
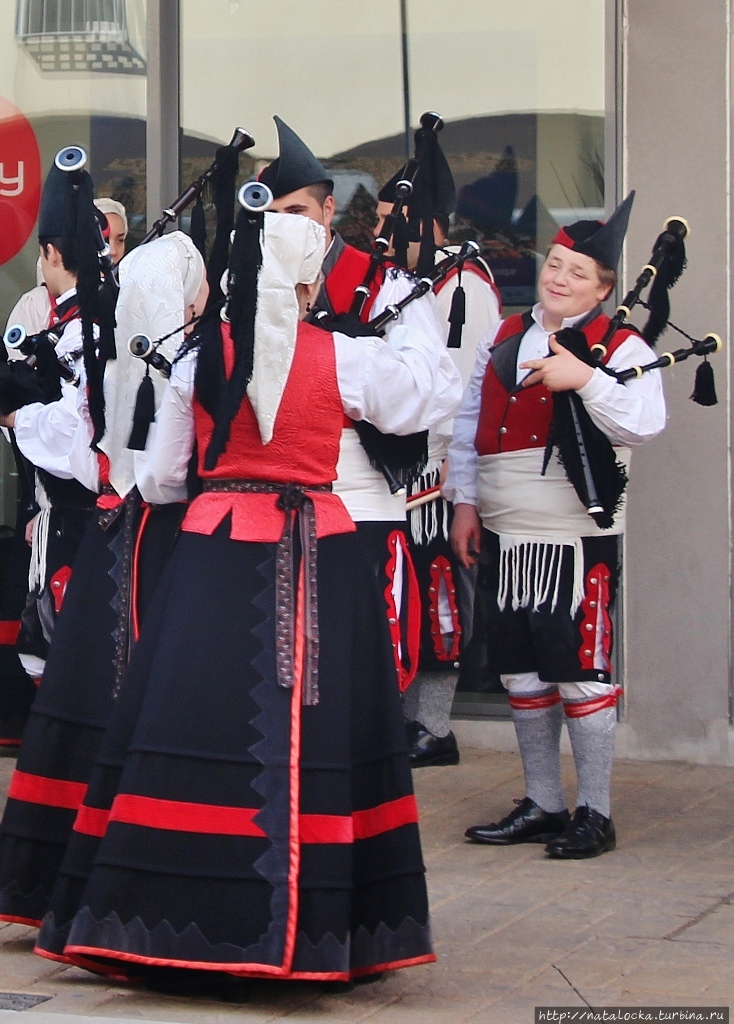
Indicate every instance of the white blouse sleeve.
{"type": "Point", "coordinates": [83, 462]}
{"type": "Point", "coordinates": [461, 482]}
{"type": "Point", "coordinates": [482, 316]}
{"type": "Point", "coordinates": [632, 412]}
{"type": "Point", "coordinates": [160, 471]}
{"type": "Point", "coordinates": [402, 384]}
{"type": "Point", "coordinates": [45, 433]}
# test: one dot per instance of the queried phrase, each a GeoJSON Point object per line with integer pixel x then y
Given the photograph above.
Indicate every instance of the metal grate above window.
{"type": "Point", "coordinates": [78, 35]}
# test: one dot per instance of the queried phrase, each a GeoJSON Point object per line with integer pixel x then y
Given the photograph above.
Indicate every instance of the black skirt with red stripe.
{"type": "Point", "coordinates": [73, 705]}
{"type": "Point", "coordinates": [17, 689]}
{"type": "Point", "coordinates": [226, 826]}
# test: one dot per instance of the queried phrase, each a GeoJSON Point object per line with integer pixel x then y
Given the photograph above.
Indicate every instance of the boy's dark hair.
{"type": "Point", "coordinates": [442, 219]}
{"type": "Point", "coordinates": [320, 191]}
{"type": "Point", "coordinates": [66, 248]}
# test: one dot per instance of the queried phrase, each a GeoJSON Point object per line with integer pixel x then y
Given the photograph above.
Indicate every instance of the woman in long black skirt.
{"type": "Point", "coordinates": [120, 560]}
{"type": "Point", "coordinates": [251, 810]}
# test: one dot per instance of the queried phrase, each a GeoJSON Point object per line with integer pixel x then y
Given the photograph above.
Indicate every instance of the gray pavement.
{"type": "Point", "coordinates": [649, 924]}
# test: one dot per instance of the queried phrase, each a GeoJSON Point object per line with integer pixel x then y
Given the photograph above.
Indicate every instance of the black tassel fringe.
{"type": "Point", "coordinates": [457, 317]}
{"type": "Point", "coordinates": [704, 388]}
{"type": "Point", "coordinates": [143, 415]}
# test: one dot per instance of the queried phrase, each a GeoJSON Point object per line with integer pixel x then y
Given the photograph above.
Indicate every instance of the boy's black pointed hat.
{"type": "Point", "coordinates": [295, 166]}
{"type": "Point", "coordinates": [601, 241]}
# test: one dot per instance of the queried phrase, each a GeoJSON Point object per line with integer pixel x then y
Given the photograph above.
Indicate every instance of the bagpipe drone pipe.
{"type": "Point", "coordinates": [38, 376]}
{"type": "Point", "coordinates": [73, 160]}
{"type": "Point", "coordinates": [585, 452]}
{"type": "Point", "coordinates": [240, 141]}
{"type": "Point", "coordinates": [431, 124]}
{"type": "Point", "coordinates": [255, 199]}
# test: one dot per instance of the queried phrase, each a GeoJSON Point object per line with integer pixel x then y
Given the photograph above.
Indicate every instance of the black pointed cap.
{"type": "Point", "coordinates": [57, 213]}
{"type": "Point", "coordinates": [295, 167]}
{"type": "Point", "coordinates": [601, 241]}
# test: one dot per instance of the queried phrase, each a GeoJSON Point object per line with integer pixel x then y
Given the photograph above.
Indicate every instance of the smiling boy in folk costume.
{"type": "Point", "coordinates": [468, 305]}
{"type": "Point", "coordinates": [301, 185]}
{"type": "Point", "coordinates": [548, 570]}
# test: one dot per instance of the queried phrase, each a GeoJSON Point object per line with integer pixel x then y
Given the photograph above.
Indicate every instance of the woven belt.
{"type": "Point", "coordinates": [293, 498]}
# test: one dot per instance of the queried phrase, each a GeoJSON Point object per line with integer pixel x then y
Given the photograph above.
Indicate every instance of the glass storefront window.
{"type": "Point", "coordinates": [520, 86]}
{"type": "Point", "coordinates": [71, 72]}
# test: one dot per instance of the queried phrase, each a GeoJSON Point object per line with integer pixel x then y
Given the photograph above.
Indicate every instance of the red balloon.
{"type": "Point", "coordinates": [20, 180]}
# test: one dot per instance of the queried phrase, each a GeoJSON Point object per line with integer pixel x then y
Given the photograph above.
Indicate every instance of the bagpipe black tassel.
{"type": "Point", "coordinates": [198, 226]}
{"type": "Point", "coordinates": [457, 317]}
{"type": "Point", "coordinates": [143, 415]}
{"type": "Point", "coordinates": [106, 303]}
{"type": "Point", "coordinates": [704, 389]}
{"type": "Point", "coordinates": [658, 300]}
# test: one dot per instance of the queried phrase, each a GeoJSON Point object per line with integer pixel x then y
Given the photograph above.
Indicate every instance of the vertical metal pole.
{"type": "Point", "coordinates": [406, 76]}
{"type": "Point", "coordinates": [614, 58]}
{"type": "Point", "coordinates": [163, 105]}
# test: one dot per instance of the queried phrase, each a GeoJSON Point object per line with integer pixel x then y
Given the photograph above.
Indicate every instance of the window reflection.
{"type": "Point", "coordinates": [524, 132]}
{"type": "Point", "coordinates": [79, 35]}
{"type": "Point", "coordinates": [75, 70]}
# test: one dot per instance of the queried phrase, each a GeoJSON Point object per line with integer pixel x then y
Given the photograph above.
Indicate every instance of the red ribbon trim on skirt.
{"type": "Point", "coordinates": [37, 789]}
{"type": "Point", "coordinates": [179, 816]}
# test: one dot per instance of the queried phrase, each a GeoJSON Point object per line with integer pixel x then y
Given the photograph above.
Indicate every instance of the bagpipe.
{"type": "Point", "coordinates": [72, 160]}
{"type": "Point", "coordinates": [397, 458]}
{"type": "Point", "coordinates": [469, 251]}
{"type": "Point", "coordinates": [431, 123]}
{"type": "Point", "coordinates": [255, 198]}
{"type": "Point", "coordinates": [221, 174]}
{"type": "Point", "coordinates": [585, 452]}
{"type": "Point", "coordinates": [240, 141]}
{"type": "Point", "coordinates": [16, 339]}
{"type": "Point", "coordinates": [37, 377]}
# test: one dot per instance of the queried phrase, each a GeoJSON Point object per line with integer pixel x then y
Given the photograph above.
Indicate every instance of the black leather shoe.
{"type": "Point", "coordinates": [588, 835]}
{"type": "Point", "coordinates": [427, 749]}
{"type": "Point", "coordinates": [528, 823]}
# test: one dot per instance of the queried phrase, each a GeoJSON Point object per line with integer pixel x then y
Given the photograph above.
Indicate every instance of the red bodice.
{"type": "Point", "coordinates": [304, 448]}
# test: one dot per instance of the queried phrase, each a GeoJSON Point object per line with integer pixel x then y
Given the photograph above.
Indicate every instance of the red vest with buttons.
{"type": "Point", "coordinates": [513, 420]}
{"type": "Point", "coordinates": [347, 273]}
